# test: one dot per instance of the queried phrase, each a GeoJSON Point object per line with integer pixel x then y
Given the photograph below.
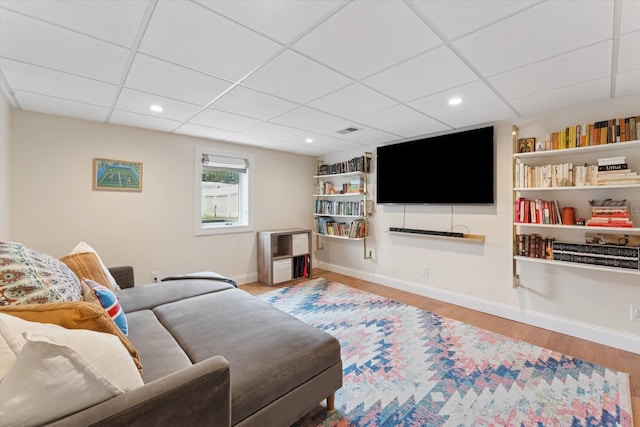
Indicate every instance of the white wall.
{"type": "Point", "coordinates": [583, 303]}
{"type": "Point", "coordinates": [5, 133]}
{"type": "Point", "coordinates": [53, 206]}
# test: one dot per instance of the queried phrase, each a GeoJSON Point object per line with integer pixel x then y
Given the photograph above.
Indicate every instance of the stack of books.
{"type": "Point", "coordinates": [603, 255]}
{"type": "Point", "coordinates": [610, 216]}
{"type": "Point", "coordinates": [615, 171]}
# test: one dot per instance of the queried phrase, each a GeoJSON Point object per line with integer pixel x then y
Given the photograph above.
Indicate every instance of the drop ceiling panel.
{"type": "Point", "coordinates": [426, 74]}
{"type": "Point", "coordinates": [202, 131]}
{"type": "Point", "coordinates": [474, 95]}
{"type": "Point", "coordinates": [172, 81]}
{"type": "Point", "coordinates": [326, 142]}
{"type": "Point", "coordinates": [628, 83]}
{"type": "Point", "coordinates": [581, 65]}
{"type": "Point", "coordinates": [480, 115]}
{"type": "Point", "coordinates": [351, 101]}
{"type": "Point", "coordinates": [583, 93]}
{"type": "Point", "coordinates": [306, 118]}
{"type": "Point", "coordinates": [387, 33]}
{"type": "Point", "coordinates": [548, 29]}
{"type": "Point", "coordinates": [251, 103]}
{"type": "Point", "coordinates": [458, 17]}
{"type": "Point", "coordinates": [630, 17]}
{"type": "Point", "coordinates": [224, 120]}
{"type": "Point", "coordinates": [114, 21]}
{"type": "Point", "coordinates": [293, 77]}
{"type": "Point", "coordinates": [629, 54]}
{"type": "Point", "coordinates": [45, 81]}
{"type": "Point", "coordinates": [32, 41]}
{"type": "Point", "coordinates": [204, 41]}
{"type": "Point", "coordinates": [139, 102]}
{"type": "Point", "coordinates": [143, 121]}
{"type": "Point", "coordinates": [61, 107]}
{"type": "Point", "coordinates": [264, 132]}
{"type": "Point", "coordinates": [281, 20]}
{"type": "Point", "coordinates": [402, 121]}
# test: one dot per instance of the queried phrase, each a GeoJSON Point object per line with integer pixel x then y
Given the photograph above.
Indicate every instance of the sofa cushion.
{"type": "Point", "coordinates": [87, 265]}
{"type": "Point", "coordinates": [31, 277]}
{"type": "Point", "coordinates": [73, 315]}
{"type": "Point", "coordinates": [159, 352]}
{"type": "Point", "coordinates": [105, 298]}
{"type": "Point", "coordinates": [70, 365]}
{"type": "Point", "coordinates": [270, 352]}
{"type": "Point", "coordinates": [150, 296]}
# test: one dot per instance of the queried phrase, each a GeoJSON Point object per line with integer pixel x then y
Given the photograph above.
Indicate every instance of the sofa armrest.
{"type": "Point", "coordinates": [123, 275]}
{"type": "Point", "coordinates": [198, 395]}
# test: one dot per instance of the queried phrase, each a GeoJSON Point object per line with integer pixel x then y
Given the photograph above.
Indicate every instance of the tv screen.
{"type": "Point", "coordinates": [457, 168]}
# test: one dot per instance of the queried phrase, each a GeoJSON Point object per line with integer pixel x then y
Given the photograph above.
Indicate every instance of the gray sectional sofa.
{"type": "Point", "coordinates": [214, 355]}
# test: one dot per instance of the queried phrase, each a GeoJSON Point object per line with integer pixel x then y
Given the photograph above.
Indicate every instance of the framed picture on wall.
{"type": "Point", "coordinates": [117, 175]}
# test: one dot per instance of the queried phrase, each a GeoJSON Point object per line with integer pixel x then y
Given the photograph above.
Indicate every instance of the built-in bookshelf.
{"type": "Point", "coordinates": [342, 203]}
{"type": "Point", "coordinates": [576, 197]}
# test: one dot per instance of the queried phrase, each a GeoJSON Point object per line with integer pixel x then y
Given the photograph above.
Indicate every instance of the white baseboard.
{"type": "Point", "coordinates": [542, 320]}
{"type": "Point", "coordinates": [246, 278]}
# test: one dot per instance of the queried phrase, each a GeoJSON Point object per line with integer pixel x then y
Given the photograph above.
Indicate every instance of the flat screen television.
{"type": "Point", "coordinates": [456, 168]}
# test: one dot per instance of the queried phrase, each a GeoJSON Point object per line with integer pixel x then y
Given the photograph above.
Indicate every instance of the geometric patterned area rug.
{"type": "Point", "coordinates": [404, 366]}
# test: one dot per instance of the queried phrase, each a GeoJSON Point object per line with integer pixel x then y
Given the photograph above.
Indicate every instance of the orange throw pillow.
{"type": "Point", "coordinates": [87, 265]}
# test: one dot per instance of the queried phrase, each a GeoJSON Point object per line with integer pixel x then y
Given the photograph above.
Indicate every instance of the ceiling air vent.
{"type": "Point", "coordinates": [348, 130]}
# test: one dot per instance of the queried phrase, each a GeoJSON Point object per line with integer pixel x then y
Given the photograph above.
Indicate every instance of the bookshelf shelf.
{"type": "Point", "coordinates": [575, 265]}
{"type": "Point", "coordinates": [551, 200]}
{"type": "Point", "coordinates": [347, 193]}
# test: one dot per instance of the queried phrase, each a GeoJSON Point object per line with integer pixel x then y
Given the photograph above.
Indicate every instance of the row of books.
{"type": "Point", "coordinates": [543, 247]}
{"type": "Point", "coordinates": [610, 216]}
{"type": "Point", "coordinates": [534, 246]}
{"type": "Point", "coordinates": [357, 164]}
{"type": "Point", "coordinates": [352, 187]}
{"type": "Point", "coordinates": [300, 266]}
{"type": "Point", "coordinates": [354, 229]}
{"type": "Point", "coordinates": [560, 175]}
{"type": "Point", "coordinates": [602, 132]}
{"type": "Point", "coordinates": [537, 211]}
{"type": "Point", "coordinates": [601, 255]}
{"type": "Point", "coordinates": [329, 207]}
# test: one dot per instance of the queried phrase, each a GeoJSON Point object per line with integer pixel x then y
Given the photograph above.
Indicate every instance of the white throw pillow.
{"type": "Point", "coordinates": [79, 367]}
{"type": "Point", "coordinates": [84, 247]}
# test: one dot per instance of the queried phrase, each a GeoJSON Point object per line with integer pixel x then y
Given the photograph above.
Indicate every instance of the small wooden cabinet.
{"type": "Point", "coordinates": [283, 255]}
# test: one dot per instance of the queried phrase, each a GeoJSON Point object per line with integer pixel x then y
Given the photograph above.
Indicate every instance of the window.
{"type": "Point", "coordinates": [223, 186]}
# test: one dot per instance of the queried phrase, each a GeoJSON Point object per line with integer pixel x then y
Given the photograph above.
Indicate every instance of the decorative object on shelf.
{"type": "Point", "coordinates": [117, 175]}
{"type": "Point", "coordinates": [569, 215]}
{"type": "Point", "coordinates": [526, 145]}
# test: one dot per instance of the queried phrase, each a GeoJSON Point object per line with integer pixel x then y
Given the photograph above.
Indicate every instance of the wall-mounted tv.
{"type": "Point", "coordinates": [456, 168]}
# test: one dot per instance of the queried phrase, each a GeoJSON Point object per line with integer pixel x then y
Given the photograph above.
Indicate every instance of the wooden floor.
{"type": "Point", "coordinates": [609, 357]}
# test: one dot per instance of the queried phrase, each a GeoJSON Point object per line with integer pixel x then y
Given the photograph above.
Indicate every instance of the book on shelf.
{"type": "Point", "coordinates": [603, 161]}
{"type": "Point", "coordinates": [616, 167]}
{"type": "Point", "coordinates": [602, 255]}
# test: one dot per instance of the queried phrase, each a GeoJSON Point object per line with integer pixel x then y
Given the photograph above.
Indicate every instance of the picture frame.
{"type": "Point", "coordinates": [526, 145]}
{"type": "Point", "coordinates": [116, 175]}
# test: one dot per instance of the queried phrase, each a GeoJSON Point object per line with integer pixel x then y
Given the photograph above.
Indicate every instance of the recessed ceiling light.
{"type": "Point", "coordinates": [309, 140]}
{"type": "Point", "coordinates": [156, 108]}
{"type": "Point", "coordinates": [455, 101]}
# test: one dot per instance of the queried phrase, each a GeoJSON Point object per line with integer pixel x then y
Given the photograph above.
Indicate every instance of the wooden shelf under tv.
{"type": "Point", "coordinates": [472, 237]}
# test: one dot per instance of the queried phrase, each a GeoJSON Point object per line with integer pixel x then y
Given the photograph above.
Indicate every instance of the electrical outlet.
{"type": "Point", "coordinates": [635, 208]}
{"type": "Point", "coordinates": [634, 312]}
{"type": "Point", "coordinates": [425, 272]}
{"type": "Point", "coordinates": [371, 253]}
{"type": "Point", "coordinates": [155, 276]}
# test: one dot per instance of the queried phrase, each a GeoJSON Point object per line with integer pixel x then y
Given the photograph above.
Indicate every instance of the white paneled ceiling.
{"type": "Point", "coordinates": [276, 73]}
